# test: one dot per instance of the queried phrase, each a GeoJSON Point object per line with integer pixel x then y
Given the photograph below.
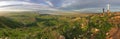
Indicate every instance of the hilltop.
{"type": "Point", "coordinates": [25, 25]}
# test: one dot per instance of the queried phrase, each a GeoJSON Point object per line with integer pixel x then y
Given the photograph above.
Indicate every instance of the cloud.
{"type": "Point", "coordinates": [69, 4]}
{"type": "Point", "coordinates": [13, 0]}
{"type": "Point", "coordinates": [16, 0]}
{"type": "Point", "coordinates": [81, 4]}
{"type": "Point", "coordinates": [27, 0]}
{"type": "Point", "coordinates": [84, 4]}
{"type": "Point", "coordinates": [49, 3]}
{"type": "Point", "coordinates": [21, 5]}
{"type": "Point", "coordinates": [56, 3]}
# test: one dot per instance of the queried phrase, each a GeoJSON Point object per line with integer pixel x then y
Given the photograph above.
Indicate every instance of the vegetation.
{"type": "Point", "coordinates": [43, 26]}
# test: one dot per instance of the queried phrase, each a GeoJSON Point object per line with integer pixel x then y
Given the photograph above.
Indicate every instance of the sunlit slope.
{"type": "Point", "coordinates": [22, 24]}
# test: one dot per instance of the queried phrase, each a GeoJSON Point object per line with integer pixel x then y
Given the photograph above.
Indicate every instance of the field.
{"type": "Point", "coordinates": [32, 25]}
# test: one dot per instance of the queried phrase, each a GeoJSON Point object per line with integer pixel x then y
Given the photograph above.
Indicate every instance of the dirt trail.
{"type": "Point", "coordinates": [117, 35]}
{"type": "Point", "coordinates": [114, 33]}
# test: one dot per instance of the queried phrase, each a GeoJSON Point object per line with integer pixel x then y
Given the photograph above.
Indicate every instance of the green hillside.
{"type": "Point", "coordinates": [45, 26]}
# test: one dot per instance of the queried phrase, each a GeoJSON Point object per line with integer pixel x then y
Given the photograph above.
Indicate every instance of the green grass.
{"type": "Point", "coordinates": [37, 26]}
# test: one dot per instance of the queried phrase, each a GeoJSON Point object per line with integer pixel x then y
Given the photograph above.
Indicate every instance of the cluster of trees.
{"type": "Point", "coordinates": [54, 27]}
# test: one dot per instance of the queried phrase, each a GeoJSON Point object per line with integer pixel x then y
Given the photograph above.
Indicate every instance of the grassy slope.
{"type": "Point", "coordinates": [43, 26]}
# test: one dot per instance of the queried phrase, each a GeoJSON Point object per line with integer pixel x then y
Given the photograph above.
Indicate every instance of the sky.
{"type": "Point", "coordinates": [68, 5]}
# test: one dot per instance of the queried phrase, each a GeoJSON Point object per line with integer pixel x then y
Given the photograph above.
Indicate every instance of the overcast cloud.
{"type": "Point", "coordinates": [70, 4]}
